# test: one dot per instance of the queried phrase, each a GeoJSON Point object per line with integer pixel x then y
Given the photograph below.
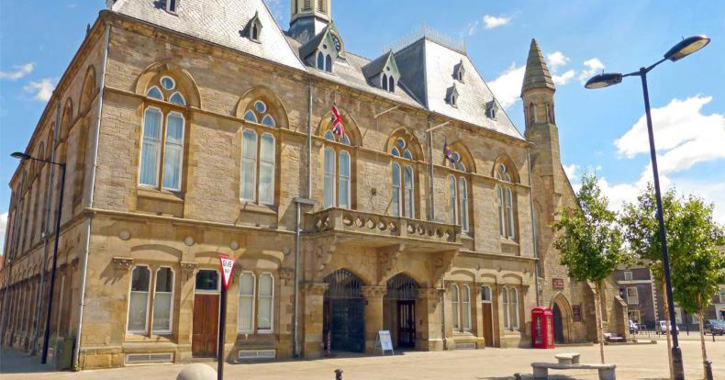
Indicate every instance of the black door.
{"type": "Point", "coordinates": [406, 324]}
{"type": "Point", "coordinates": [558, 326]}
{"type": "Point", "coordinates": [344, 312]}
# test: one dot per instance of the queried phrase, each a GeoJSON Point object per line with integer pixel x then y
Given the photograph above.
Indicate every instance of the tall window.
{"type": "Point", "coordinates": [506, 305]}
{"type": "Point", "coordinates": [246, 302]}
{"type": "Point", "coordinates": [514, 298]}
{"type": "Point", "coordinates": [320, 61]}
{"type": "Point", "coordinates": [632, 296]}
{"type": "Point", "coordinates": [455, 304]}
{"type": "Point", "coordinates": [505, 203]}
{"type": "Point", "coordinates": [338, 172]}
{"type": "Point", "coordinates": [164, 125]}
{"type": "Point", "coordinates": [171, 5]}
{"type": "Point", "coordinates": [163, 301]}
{"type": "Point", "coordinates": [406, 177]}
{"type": "Point", "coordinates": [139, 300]}
{"type": "Point", "coordinates": [266, 296]}
{"type": "Point", "coordinates": [466, 308]}
{"type": "Point", "coordinates": [458, 188]}
{"type": "Point", "coordinates": [259, 154]}
{"type": "Point", "coordinates": [328, 63]}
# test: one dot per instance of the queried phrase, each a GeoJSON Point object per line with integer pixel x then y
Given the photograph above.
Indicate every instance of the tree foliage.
{"type": "Point", "coordinates": [588, 236]}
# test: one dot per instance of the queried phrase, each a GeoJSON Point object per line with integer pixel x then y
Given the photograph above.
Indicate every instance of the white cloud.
{"type": "Point", "coordinates": [572, 172]}
{"type": "Point", "coordinates": [564, 78]}
{"type": "Point", "coordinates": [683, 134]}
{"type": "Point", "coordinates": [491, 22]}
{"type": "Point", "coordinates": [557, 59]}
{"type": "Point", "coordinates": [472, 27]}
{"type": "Point", "coordinates": [594, 66]}
{"type": "Point", "coordinates": [42, 90]}
{"type": "Point", "coordinates": [19, 73]}
{"type": "Point", "coordinates": [507, 87]}
{"type": "Point", "coordinates": [3, 227]}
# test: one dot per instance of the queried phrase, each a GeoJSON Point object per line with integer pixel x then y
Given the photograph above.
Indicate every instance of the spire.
{"type": "Point", "coordinates": [537, 74]}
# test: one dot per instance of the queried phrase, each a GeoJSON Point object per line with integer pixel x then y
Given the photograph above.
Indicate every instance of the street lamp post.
{"type": "Point", "coordinates": [46, 337]}
{"type": "Point", "coordinates": [681, 50]}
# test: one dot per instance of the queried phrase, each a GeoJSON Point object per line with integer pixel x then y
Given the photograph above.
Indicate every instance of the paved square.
{"type": "Point", "coordinates": [633, 362]}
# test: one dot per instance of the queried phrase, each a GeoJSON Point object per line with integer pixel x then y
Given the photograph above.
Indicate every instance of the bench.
{"type": "Point", "coordinates": [568, 358]}
{"type": "Point", "coordinates": [606, 371]}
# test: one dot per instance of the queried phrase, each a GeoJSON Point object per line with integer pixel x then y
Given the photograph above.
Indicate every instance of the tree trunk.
{"type": "Point", "coordinates": [700, 316]}
{"type": "Point", "coordinates": [598, 310]}
{"type": "Point", "coordinates": [667, 331]}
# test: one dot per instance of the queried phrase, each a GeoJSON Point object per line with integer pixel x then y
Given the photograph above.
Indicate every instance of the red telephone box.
{"type": "Point", "coordinates": [542, 327]}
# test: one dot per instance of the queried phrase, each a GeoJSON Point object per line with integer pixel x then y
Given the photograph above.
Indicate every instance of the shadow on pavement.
{"type": "Point", "coordinates": [14, 361]}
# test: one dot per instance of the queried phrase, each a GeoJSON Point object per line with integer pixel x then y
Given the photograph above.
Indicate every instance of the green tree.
{"type": "Point", "coordinates": [590, 242]}
{"type": "Point", "coordinates": [698, 266]}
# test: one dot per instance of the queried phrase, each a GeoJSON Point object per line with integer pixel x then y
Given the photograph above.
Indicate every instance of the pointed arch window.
{"type": "Point", "coordinates": [259, 155]}
{"type": "Point", "coordinates": [163, 137]}
{"type": "Point", "coordinates": [391, 84]}
{"type": "Point", "coordinates": [172, 5]}
{"type": "Point", "coordinates": [466, 307]}
{"type": "Point", "coordinates": [505, 203]}
{"type": "Point", "coordinates": [506, 308]}
{"type": "Point", "coordinates": [385, 82]}
{"type": "Point", "coordinates": [247, 287]}
{"type": "Point", "coordinates": [455, 307]}
{"type": "Point", "coordinates": [337, 182]}
{"type": "Point", "coordinates": [403, 203]}
{"type": "Point", "coordinates": [458, 192]}
{"type": "Point", "coordinates": [328, 63]}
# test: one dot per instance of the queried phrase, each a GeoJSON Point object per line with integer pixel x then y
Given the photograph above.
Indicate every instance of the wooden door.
{"type": "Point", "coordinates": [488, 324]}
{"type": "Point", "coordinates": [406, 324]}
{"type": "Point", "coordinates": [206, 322]}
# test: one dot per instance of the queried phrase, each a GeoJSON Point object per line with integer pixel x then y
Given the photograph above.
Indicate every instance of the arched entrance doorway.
{"type": "Point", "coordinates": [343, 312]}
{"type": "Point", "coordinates": [399, 305]}
{"type": "Point", "coordinates": [562, 319]}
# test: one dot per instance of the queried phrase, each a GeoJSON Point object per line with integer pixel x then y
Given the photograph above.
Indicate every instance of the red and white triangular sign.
{"type": "Point", "coordinates": [227, 263]}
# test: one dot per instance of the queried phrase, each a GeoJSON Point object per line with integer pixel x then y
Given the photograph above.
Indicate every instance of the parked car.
{"type": "Point", "coordinates": [664, 326]}
{"type": "Point", "coordinates": [715, 327]}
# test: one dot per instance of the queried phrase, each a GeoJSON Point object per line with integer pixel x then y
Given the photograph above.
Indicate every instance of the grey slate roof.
{"type": "Point", "coordinates": [376, 66]}
{"type": "Point", "coordinates": [426, 67]}
{"type": "Point", "coordinates": [537, 73]}
{"type": "Point", "coordinates": [217, 21]}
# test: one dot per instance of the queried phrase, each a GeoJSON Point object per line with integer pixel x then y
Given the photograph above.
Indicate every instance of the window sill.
{"type": "Point", "coordinates": [258, 208]}
{"type": "Point", "coordinates": [164, 195]}
{"type": "Point", "coordinates": [133, 338]}
{"type": "Point", "coordinates": [512, 333]}
{"type": "Point", "coordinates": [510, 242]}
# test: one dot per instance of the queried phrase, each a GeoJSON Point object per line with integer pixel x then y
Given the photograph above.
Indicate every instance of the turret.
{"type": "Point", "coordinates": [308, 18]}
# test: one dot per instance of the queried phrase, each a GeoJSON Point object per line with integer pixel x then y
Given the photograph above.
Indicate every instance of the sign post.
{"type": "Point", "coordinates": [383, 342]}
{"type": "Point", "coordinates": [227, 264]}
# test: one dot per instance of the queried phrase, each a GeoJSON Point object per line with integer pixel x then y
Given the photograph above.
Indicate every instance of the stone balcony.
{"type": "Point", "coordinates": [382, 230]}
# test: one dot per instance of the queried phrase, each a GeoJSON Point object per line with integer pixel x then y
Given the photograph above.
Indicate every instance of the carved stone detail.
{"type": "Point", "coordinates": [374, 291]}
{"type": "Point", "coordinates": [286, 273]}
{"type": "Point", "coordinates": [188, 269]}
{"type": "Point", "coordinates": [429, 293]}
{"type": "Point", "coordinates": [123, 263]}
{"type": "Point", "coordinates": [315, 288]}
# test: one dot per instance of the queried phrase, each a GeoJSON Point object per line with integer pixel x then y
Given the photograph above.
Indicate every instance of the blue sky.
{"type": "Point", "coordinates": [599, 130]}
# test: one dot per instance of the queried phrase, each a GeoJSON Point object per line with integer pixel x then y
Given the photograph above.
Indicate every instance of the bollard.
{"type": "Point", "coordinates": [708, 370]}
{"type": "Point", "coordinates": [197, 371]}
{"type": "Point", "coordinates": [338, 374]}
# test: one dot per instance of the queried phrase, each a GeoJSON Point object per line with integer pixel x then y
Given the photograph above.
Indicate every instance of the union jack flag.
{"type": "Point", "coordinates": [448, 152]}
{"type": "Point", "coordinates": [337, 128]}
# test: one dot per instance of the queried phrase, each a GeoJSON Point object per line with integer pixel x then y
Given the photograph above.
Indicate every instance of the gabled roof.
{"type": "Point", "coordinates": [219, 22]}
{"type": "Point", "coordinates": [537, 74]}
{"type": "Point", "coordinates": [378, 65]}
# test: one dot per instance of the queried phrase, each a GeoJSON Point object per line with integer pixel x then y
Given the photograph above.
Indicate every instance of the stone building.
{"type": "Point", "coordinates": [194, 128]}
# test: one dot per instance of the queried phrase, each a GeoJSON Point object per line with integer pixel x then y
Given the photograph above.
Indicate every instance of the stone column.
{"type": "Point", "coordinates": [185, 301]}
{"type": "Point", "coordinates": [428, 312]}
{"type": "Point", "coordinates": [373, 314]}
{"type": "Point", "coordinates": [477, 308]}
{"type": "Point", "coordinates": [311, 319]}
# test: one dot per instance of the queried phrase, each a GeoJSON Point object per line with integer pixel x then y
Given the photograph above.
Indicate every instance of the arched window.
{"type": "Point", "coordinates": [138, 306]}
{"type": "Point", "coordinates": [466, 298]}
{"type": "Point", "coordinates": [532, 113]}
{"type": "Point", "coordinates": [454, 199]}
{"type": "Point", "coordinates": [455, 305]}
{"type": "Point", "coordinates": [328, 63]}
{"type": "Point", "coordinates": [391, 84]}
{"type": "Point", "coordinates": [385, 82]}
{"type": "Point", "coordinates": [164, 130]}
{"type": "Point", "coordinates": [506, 305]}
{"type": "Point", "coordinates": [265, 314]}
{"type": "Point", "coordinates": [458, 189]}
{"type": "Point", "coordinates": [505, 203]}
{"type": "Point", "coordinates": [337, 186]}
{"type": "Point", "coordinates": [403, 203]}
{"type": "Point", "coordinates": [514, 299]}
{"type": "Point", "coordinates": [320, 61]}
{"type": "Point", "coordinates": [259, 155]}
{"type": "Point", "coordinates": [163, 301]}
{"type": "Point", "coordinates": [247, 287]}
{"type": "Point", "coordinates": [171, 5]}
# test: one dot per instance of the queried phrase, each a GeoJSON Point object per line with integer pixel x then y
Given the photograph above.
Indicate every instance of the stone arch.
{"type": "Point", "coordinates": [160, 251]}
{"type": "Point", "coordinates": [402, 284]}
{"type": "Point", "coordinates": [466, 156]}
{"type": "Point", "coordinates": [412, 141]}
{"type": "Point", "coordinates": [512, 279]}
{"type": "Point", "coordinates": [352, 129]}
{"type": "Point", "coordinates": [66, 119]}
{"type": "Point", "coordinates": [364, 279]}
{"type": "Point", "coordinates": [274, 104]}
{"type": "Point", "coordinates": [185, 82]}
{"type": "Point", "coordinates": [560, 302]}
{"type": "Point", "coordinates": [89, 89]}
{"type": "Point", "coordinates": [505, 159]}
{"type": "Point", "coordinates": [463, 275]}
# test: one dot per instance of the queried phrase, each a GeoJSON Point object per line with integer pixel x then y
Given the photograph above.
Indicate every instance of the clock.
{"type": "Point", "coordinates": [336, 41]}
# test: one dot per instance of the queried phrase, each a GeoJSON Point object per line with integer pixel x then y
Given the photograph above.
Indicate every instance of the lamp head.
{"type": "Point", "coordinates": [20, 156]}
{"type": "Point", "coordinates": [686, 47]}
{"type": "Point", "coordinates": [604, 80]}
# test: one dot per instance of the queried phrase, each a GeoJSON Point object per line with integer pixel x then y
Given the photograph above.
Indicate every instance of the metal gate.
{"type": "Point", "coordinates": [344, 312]}
{"type": "Point", "coordinates": [403, 291]}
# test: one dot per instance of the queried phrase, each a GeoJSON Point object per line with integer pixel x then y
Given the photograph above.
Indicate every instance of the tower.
{"type": "Point", "coordinates": [308, 18]}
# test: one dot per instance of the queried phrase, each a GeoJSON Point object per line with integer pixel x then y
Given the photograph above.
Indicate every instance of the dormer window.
{"type": "Point", "coordinates": [324, 62]}
{"type": "Point", "coordinates": [387, 83]}
{"type": "Point", "coordinates": [452, 97]}
{"type": "Point", "coordinates": [459, 71]}
{"type": "Point", "coordinates": [172, 5]}
{"type": "Point", "coordinates": [253, 30]}
{"type": "Point", "coordinates": [492, 109]}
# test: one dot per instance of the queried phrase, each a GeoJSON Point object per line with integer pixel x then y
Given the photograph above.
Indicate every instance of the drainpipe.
{"type": "Point", "coordinates": [443, 314]}
{"type": "Point", "coordinates": [432, 212]}
{"type": "Point", "coordinates": [298, 234]}
{"type": "Point", "coordinates": [84, 273]}
{"type": "Point", "coordinates": [46, 233]}
{"type": "Point", "coordinates": [535, 228]}
{"type": "Point", "coordinates": [309, 143]}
